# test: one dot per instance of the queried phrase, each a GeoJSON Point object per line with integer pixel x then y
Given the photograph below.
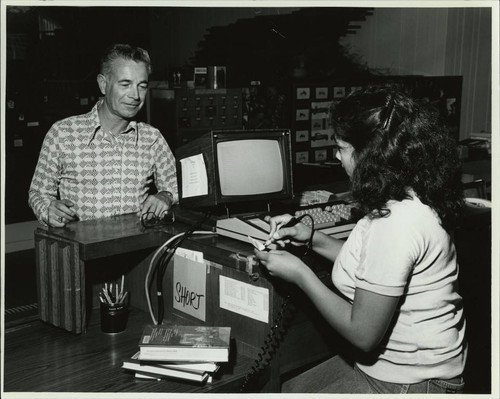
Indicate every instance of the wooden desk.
{"type": "Point", "coordinates": [61, 257]}
{"type": "Point", "coordinates": [70, 258]}
{"type": "Point", "coordinates": [41, 358]}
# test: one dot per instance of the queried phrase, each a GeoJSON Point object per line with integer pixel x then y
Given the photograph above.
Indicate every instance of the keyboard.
{"type": "Point", "coordinates": [332, 219]}
{"type": "Point", "coordinates": [330, 215]}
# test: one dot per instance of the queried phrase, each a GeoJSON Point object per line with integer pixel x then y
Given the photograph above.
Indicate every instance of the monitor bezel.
{"type": "Point", "coordinates": [283, 139]}
{"type": "Point", "coordinates": [206, 144]}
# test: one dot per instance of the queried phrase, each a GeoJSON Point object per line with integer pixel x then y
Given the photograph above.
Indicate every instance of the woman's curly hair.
{"type": "Point", "coordinates": [399, 145]}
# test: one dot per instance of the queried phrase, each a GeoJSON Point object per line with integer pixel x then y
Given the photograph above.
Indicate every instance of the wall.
{"type": "Point", "coordinates": [397, 41]}
{"type": "Point", "coordinates": [175, 33]}
{"type": "Point", "coordinates": [434, 42]}
{"type": "Point", "coordinates": [468, 53]}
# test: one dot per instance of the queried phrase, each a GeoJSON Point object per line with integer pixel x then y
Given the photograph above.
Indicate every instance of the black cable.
{"type": "Point", "coordinates": [278, 329]}
{"type": "Point", "coordinates": [162, 263]}
{"type": "Point", "coordinates": [270, 345]}
{"type": "Point", "coordinates": [309, 242]}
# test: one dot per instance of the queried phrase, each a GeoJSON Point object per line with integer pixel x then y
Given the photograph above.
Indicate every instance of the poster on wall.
{"type": "Point", "coordinates": [322, 138]}
{"type": "Point", "coordinates": [303, 93]}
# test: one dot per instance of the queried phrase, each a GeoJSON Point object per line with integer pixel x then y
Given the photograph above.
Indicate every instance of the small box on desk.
{"type": "Point", "coordinates": [219, 290]}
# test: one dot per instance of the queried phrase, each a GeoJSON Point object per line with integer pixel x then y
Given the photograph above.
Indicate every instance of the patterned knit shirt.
{"type": "Point", "coordinates": [101, 173]}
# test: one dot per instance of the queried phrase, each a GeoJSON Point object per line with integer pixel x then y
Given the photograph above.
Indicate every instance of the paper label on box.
{"type": "Point", "coordinates": [190, 284]}
{"type": "Point", "coordinates": [244, 299]}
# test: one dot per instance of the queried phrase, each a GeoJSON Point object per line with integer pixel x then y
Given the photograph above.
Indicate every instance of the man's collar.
{"type": "Point", "coordinates": [96, 123]}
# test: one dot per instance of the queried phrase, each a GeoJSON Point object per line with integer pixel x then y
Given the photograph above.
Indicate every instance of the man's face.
{"type": "Point", "coordinates": [125, 88]}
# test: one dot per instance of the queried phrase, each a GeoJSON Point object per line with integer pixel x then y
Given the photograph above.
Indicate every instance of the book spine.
{"type": "Point", "coordinates": [184, 354]}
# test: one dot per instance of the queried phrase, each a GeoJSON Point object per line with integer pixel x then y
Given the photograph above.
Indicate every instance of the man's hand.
{"type": "Point", "coordinates": [60, 213]}
{"type": "Point", "coordinates": [157, 203]}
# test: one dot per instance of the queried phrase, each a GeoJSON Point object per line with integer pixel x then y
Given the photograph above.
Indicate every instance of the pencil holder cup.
{"type": "Point", "coordinates": [113, 318]}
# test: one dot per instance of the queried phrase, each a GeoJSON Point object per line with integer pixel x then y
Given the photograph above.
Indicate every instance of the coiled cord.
{"type": "Point", "coordinates": [277, 331]}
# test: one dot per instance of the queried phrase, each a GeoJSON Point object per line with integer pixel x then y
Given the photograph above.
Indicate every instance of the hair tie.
{"type": "Point", "coordinates": [390, 106]}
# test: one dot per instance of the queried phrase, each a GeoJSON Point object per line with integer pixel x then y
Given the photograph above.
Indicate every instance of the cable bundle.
{"type": "Point", "coordinates": [158, 266]}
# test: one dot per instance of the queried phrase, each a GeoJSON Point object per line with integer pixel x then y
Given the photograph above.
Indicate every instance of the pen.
{"type": "Point", "coordinates": [292, 222]}
{"type": "Point", "coordinates": [110, 302]}
{"type": "Point", "coordinates": [123, 298]}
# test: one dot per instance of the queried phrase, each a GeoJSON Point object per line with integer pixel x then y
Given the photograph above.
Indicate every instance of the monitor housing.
{"type": "Point", "coordinates": [235, 170]}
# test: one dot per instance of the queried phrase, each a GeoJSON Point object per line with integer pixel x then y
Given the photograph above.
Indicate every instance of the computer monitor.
{"type": "Point", "coordinates": [229, 167]}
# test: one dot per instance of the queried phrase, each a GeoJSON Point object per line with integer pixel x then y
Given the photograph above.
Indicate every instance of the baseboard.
{"type": "Point", "coordinates": [20, 315]}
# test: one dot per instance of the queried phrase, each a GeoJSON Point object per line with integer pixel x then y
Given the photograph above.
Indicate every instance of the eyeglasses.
{"type": "Point", "coordinates": [149, 219]}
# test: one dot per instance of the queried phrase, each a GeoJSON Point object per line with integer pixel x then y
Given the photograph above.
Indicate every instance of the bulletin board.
{"type": "Point", "coordinates": [312, 132]}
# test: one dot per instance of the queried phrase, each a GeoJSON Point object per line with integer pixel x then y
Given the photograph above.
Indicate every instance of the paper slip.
{"type": "Point", "coordinates": [244, 299]}
{"type": "Point", "coordinates": [257, 244]}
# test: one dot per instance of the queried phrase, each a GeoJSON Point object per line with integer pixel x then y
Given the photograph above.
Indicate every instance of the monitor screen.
{"type": "Point", "coordinates": [230, 167]}
{"type": "Point", "coordinates": [250, 167]}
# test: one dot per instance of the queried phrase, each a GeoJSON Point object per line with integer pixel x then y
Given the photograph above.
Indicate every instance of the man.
{"type": "Point", "coordinates": [103, 163]}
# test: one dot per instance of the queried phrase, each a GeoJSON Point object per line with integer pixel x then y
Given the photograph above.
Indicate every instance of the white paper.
{"type": "Point", "coordinates": [257, 244]}
{"type": "Point", "coordinates": [244, 299]}
{"type": "Point", "coordinates": [194, 176]}
{"type": "Point", "coordinates": [189, 291]}
{"type": "Point", "coordinates": [195, 256]}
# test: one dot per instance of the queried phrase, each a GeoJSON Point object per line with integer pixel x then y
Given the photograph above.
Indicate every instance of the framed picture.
{"type": "Point", "coordinates": [321, 93]}
{"type": "Point", "coordinates": [338, 92]}
{"type": "Point", "coordinates": [320, 155]}
{"type": "Point", "coordinates": [303, 93]}
{"type": "Point", "coordinates": [301, 157]}
{"type": "Point", "coordinates": [321, 109]}
{"type": "Point", "coordinates": [317, 124]}
{"type": "Point", "coordinates": [301, 136]}
{"type": "Point", "coordinates": [302, 115]}
{"type": "Point", "coordinates": [322, 138]}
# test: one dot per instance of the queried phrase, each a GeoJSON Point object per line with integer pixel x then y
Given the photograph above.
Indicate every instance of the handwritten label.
{"type": "Point", "coordinates": [190, 283]}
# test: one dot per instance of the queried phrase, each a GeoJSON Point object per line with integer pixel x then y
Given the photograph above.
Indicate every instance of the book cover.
{"type": "Point", "coordinates": [209, 367]}
{"type": "Point", "coordinates": [156, 376]}
{"type": "Point", "coordinates": [146, 376]}
{"type": "Point", "coordinates": [185, 343]}
{"type": "Point", "coordinates": [158, 371]}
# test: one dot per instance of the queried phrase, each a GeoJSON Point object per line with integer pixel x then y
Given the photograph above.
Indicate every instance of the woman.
{"type": "Point", "coordinates": [397, 271]}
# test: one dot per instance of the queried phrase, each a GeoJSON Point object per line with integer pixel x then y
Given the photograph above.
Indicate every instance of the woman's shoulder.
{"type": "Point", "coordinates": [412, 210]}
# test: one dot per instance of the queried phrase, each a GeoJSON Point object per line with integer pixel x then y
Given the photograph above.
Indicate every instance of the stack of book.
{"type": "Point", "coordinates": [192, 353]}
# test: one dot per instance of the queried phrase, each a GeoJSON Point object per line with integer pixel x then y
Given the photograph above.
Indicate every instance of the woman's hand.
{"type": "Point", "coordinates": [298, 234]}
{"type": "Point", "coordinates": [282, 264]}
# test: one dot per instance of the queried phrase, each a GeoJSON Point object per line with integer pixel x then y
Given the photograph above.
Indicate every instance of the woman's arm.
{"type": "Point", "coordinates": [364, 323]}
{"type": "Point", "coordinates": [326, 246]}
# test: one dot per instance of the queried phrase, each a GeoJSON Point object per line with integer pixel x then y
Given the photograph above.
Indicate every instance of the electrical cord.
{"type": "Point", "coordinates": [164, 263]}
{"type": "Point", "coordinates": [278, 329]}
{"type": "Point", "coordinates": [161, 272]}
{"type": "Point", "coordinates": [158, 265]}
